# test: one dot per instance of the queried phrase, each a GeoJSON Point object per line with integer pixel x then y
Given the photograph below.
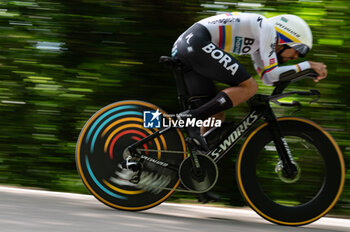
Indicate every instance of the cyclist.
{"type": "Point", "coordinates": [206, 47]}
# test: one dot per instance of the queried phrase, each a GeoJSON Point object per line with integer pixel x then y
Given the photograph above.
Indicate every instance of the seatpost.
{"type": "Point", "coordinates": [180, 86]}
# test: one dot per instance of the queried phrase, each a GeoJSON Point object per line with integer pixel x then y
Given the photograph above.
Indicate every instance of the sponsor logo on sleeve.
{"type": "Point", "coordinates": [242, 45]}
{"type": "Point", "coordinates": [272, 61]}
{"type": "Point", "coordinates": [238, 44]}
{"type": "Point", "coordinates": [225, 21]}
{"type": "Point", "coordinates": [247, 45]}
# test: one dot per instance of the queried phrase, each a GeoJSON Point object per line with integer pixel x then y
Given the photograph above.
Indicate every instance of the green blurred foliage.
{"type": "Point", "coordinates": [60, 61]}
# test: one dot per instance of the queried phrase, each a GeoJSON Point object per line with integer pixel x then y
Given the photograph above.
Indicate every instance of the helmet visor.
{"type": "Point", "coordinates": [301, 48]}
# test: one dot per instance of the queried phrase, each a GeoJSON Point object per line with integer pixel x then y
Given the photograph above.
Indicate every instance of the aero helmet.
{"type": "Point", "coordinates": [293, 31]}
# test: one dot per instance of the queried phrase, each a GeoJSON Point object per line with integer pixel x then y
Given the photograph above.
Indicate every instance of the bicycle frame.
{"type": "Point", "coordinates": [259, 106]}
{"type": "Point", "coordinates": [226, 144]}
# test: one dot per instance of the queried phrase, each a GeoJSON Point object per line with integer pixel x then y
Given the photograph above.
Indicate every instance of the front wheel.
{"type": "Point", "coordinates": [321, 173]}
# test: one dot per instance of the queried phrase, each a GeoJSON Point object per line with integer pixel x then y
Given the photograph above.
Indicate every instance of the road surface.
{"type": "Point", "coordinates": [25, 210]}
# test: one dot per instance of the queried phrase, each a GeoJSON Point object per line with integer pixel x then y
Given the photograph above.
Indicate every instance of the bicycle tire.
{"type": "Point", "coordinates": [261, 199]}
{"type": "Point", "coordinates": [100, 148]}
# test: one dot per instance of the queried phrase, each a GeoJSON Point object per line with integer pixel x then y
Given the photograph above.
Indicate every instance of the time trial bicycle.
{"type": "Point", "coordinates": [289, 154]}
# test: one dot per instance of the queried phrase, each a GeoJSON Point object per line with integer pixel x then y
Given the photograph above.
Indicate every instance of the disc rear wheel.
{"type": "Point", "coordinates": [102, 145]}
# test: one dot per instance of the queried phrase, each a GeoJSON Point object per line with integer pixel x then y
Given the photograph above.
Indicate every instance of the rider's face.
{"type": "Point", "coordinates": [289, 54]}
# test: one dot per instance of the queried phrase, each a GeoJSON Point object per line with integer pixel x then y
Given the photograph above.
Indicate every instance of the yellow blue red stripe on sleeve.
{"type": "Point", "coordinates": [267, 69]}
{"type": "Point", "coordinates": [225, 39]}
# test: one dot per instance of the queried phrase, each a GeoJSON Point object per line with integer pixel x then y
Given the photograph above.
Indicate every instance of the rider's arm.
{"type": "Point", "coordinates": [265, 59]}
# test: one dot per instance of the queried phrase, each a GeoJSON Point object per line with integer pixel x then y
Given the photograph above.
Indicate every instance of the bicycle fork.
{"type": "Point", "coordinates": [287, 166]}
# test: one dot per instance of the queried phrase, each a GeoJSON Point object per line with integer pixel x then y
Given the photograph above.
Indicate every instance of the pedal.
{"type": "Point", "coordinates": [132, 164]}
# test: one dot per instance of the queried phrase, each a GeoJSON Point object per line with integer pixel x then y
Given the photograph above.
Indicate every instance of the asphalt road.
{"type": "Point", "coordinates": [25, 210]}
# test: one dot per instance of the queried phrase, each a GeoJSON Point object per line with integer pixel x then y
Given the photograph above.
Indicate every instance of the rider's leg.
{"type": "Point", "coordinates": [202, 90]}
{"type": "Point", "coordinates": [226, 99]}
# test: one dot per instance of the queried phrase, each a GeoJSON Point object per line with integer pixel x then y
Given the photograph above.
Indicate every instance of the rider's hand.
{"type": "Point", "coordinates": [320, 68]}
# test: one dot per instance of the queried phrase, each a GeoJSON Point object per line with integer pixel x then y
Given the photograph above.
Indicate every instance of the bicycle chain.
{"type": "Point", "coordinates": [166, 151]}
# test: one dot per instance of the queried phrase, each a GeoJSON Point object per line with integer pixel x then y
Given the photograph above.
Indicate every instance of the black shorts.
{"type": "Point", "coordinates": [206, 62]}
